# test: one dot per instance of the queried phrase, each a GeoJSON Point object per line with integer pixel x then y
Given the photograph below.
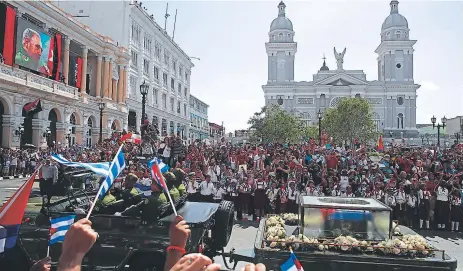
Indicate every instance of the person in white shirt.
{"type": "Point", "coordinates": [348, 193]}
{"type": "Point", "coordinates": [311, 190]}
{"type": "Point", "coordinates": [219, 193]}
{"type": "Point", "coordinates": [192, 187]}
{"type": "Point", "coordinates": [293, 194]}
{"type": "Point", "coordinates": [400, 200]}
{"type": "Point", "coordinates": [442, 205]}
{"type": "Point", "coordinates": [207, 190]}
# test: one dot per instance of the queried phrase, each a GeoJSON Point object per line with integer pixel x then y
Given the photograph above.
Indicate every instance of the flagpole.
{"type": "Point", "coordinates": [101, 187]}
{"type": "Point", "coordinates": [171, 202]}
{"type": "Point", "coordinates": [48, 249]}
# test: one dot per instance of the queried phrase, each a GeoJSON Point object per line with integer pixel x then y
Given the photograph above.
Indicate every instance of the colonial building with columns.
{"type": "Point", "coordinates": [155, 60]}
{"type": "Point", "coordinates": [87, 71]}
{"type": "Point", "coordinates": [199, 125]}
{"type": "Point", "coordinates": [392, 95]}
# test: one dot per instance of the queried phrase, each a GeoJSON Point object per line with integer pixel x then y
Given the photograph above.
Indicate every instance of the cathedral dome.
{"type": "Point", "coordinates": [394, 20]}
{"type": "Point", "coordinates": [281, 22]}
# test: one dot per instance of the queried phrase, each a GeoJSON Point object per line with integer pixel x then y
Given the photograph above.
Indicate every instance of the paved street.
{"type": "Point", "coordinates": [244, 232]}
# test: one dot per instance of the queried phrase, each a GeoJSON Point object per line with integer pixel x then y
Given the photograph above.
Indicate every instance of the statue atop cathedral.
{"type": "Point", "coordinates": [339, 58]}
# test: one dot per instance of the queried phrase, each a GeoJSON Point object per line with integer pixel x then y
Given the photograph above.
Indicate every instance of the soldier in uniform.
{"type": "Point", "coordinates": [244, 197]}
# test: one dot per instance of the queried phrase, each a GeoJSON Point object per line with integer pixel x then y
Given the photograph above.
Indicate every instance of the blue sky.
{"type": "Point", "coordinates": [230, 36]}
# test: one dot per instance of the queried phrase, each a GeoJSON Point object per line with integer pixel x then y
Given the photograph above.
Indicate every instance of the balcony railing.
{"type": "Point", "coordinates": [22, 77]}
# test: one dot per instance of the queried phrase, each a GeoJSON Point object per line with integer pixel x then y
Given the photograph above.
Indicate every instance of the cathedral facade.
{"type": "Point", "coordinates": [392, 95]}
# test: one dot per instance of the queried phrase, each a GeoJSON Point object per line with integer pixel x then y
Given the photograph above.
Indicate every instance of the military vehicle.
{"type": "Point", "coordinates": [331, 233]}
{"type": "Point", "coordinates": [130, 240]}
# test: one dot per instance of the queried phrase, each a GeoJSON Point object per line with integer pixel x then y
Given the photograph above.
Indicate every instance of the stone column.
{"type": "Point", "coordinates": [106, 77]}
{"type": "Point", "coordinates": [60, 134]}
{"type": "Point", "coordinates": [79, 132]}
{"type": "Point", "coordinates": [120, 84]}
{"type": "Point", "coordinates": [124, 84]}
{"type": "Point", "coordinates": [114, 90]}
{"type": "Point", "coordinates": [67, 42]}
{"type": "Point", "coordinates": [110, 80]}
{"type": "Point", "coordinates": [98, 77]}
{"type": "Point", "coordinates": [37, 126]}
{"type": "Point", "coordinates": [8, 132]}
{"type": "Point", "coordinates": [83, 85]}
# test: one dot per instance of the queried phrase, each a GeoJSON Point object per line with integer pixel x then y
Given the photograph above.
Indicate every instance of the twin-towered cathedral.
{"type": "Point", "coordinates": [392, 95]}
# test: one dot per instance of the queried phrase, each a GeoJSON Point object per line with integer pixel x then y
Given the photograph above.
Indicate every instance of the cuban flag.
{"type": "Point", "coordinates": [12, 213]}
{"type": "Point", "coordinates": [59, 227]}
{"type": "Point", "coordinates": [99, 168]}
{"type": "Point", "coordinates": [292, 264]}
{"type": "Point", "coordinates": [156, 172]}
{"type": "Point", "coordinates": [115, 169]}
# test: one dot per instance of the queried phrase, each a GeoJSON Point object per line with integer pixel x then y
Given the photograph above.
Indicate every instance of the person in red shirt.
{"type": "Point", "coordinates": [332, 160]}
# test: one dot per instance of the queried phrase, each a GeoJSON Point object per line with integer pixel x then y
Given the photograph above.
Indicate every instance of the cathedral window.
{"type": "Point", "coordinates": [280, 36]}
{"type": "Point", "coordinates": [398, 65]}
{"type": "Point", "coordinates": [376, 120]}
{"type": "Point", "coordinates": [388, 35]}
{"type": "Point", "coordinates": [397, 34]}
{"type": "Point", "coordinates": [273, 37]}
{"type": "Point", "coordinates": [400, 121]}
{"type": "Point", "coordinates": [289, 36]}
{"type": "Point", "coordinates": [400, 100]}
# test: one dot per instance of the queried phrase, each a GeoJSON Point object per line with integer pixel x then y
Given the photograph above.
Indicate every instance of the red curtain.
{"type": "Point", "coordinates": [8, 45]}
{"type": "Point", "coordinates": [58, 56]}
{"type": "Point", "coordinates": [79, 72]}
{"type": "Point", "coordinates": [51, 56]}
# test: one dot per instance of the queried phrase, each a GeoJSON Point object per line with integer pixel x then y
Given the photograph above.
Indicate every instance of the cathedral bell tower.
{"type": "Point", "coordinates": [281, 48]}
{"type": "Point", "coordinates": [395, 53]}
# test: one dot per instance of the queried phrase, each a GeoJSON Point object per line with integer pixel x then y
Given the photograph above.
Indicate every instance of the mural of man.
{"type": "Point", "coordinates": [29, 55]}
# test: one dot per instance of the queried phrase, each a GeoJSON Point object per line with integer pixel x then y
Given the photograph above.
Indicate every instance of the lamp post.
{"type": "Point", "coordinates": [143, 91]}
{"type": "Point", "coordinates": [320, 116]}
{"type": "Point", "coordinates": [438, 126]}
{"type": "Point", "coordinates": [101, 106]}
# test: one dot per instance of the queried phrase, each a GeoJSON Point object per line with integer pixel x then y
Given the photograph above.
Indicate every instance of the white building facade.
{"type": "Point", "coordinates": [199, 123]}
{"type": "Point", "coordinates": [155, 59]}
{"type": "Point", "coordinates": [86, 69]}
{"type": "Point", "coordinates": [392, 95]}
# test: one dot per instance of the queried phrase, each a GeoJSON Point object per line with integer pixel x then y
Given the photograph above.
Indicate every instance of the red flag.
{"type": "Point", "coordinates": [33, 107]}
{"type": "Point", "coordinates": [126, 137]}
{"type": "Point", "coordinates": [380, 147]}
{"type": "Point", "coordinates": [12, 211]}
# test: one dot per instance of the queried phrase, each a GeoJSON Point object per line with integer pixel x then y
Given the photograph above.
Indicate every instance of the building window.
{"type": "Point", "coordinates": [133, 86]}
{"type": "Point", "coordinates": [184, 110]}
{"type": "Point", "coordinates": [166, 58]}
{"type": "Point", "coordinates": [186, 92]}
{"type": "Point", "coordinates": [164, 100]}
{"type": "Point", "coordinates": [180, 71]}
{"type": "Point", "coordinates": [155, 96]}
{"type": "Point", "coordinates": [146, 66]}
{"type": "Point", "coordinates": [400, 121]}
{"type": "Point", "coordinates": [397, 34]}
{"type": "Point", "coordinates": [178, 107]}
{"type": "Point", "coordinates": [147, 43]}
{"type": "Point", "coordinates": [398, 65]}
{"type": "Point", "coordinates": [164, 79]}
{"type": "Point", "coordinates": [136, 32]}
{"type": "Point", "coordinates": [134, 59]}
{"type": "Point", "coordinates": [157, 51]}
{"type": "Point", "coordinates": [400, 100]}
{"type": "Point", "coordinates": [186, 77]}
{"type": "Point", "coordinates": [156, 73]}
{"type": "Point", "coordinates": [172, 104]}
{"type": "Point", "coordinates": [280, 36]}
{"type": "Point", "coordinates": [174, 66]}
{"type": "Point", "coordinates": [172, 84]}
{"type": "Point", "coordinates": [179, 89]}
{"type": "Point", "coordinates": [376, 120]}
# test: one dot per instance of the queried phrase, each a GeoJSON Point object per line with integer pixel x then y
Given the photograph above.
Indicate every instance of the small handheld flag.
{"type": "Point", "coordinates": [59, 227]}
{"type": "Point", "coordinates": [380, 146]}
{"type": "Point", "coordinates": [153, 165]}
{"type": "Point", "coordinates": [292, 264]}
{"type": "Point", "coordinates": [12, 213]}
{"type": "Point", "coordinates": [116, 167]}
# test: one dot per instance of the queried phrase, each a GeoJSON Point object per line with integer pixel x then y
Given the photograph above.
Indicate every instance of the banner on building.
{"type": "Point", "coordinates": [33, 107]}
{"type": "Point", "coordinates": [7, 28]}
{"type": "Point", "coordinates": [57, 58]}
{"type": "Point", "coordinates": [75, 70]}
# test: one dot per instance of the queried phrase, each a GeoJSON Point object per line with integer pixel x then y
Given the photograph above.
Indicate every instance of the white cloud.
{"type": "Point", "coordinates": [429, 86]}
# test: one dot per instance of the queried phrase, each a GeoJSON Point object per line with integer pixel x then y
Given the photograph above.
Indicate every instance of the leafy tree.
{"type": "Point", "coordinates": [274, 125]}
{"type": "Point", "coordinates": [310, 132]}
{"type": "Point", "coordinates": [351, 119]}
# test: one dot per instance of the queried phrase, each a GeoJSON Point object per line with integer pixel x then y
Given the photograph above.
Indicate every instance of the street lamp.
{"type": "Point", "coordinates": [320, 116]}
{"type": "Point", "coordinates": [143, 90]}
{"type": "Point", "coordinates": [439, 126]}
{"type": "Point", "coordinates": [101, 106]}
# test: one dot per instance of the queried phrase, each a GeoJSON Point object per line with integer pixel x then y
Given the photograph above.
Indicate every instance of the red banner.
{"type": "Point", "coordinates": [79, 72]}
{"type": "Point", "coordinates": [58, 56]}
{"type": "Point", "coordinates": [8, 44]}
{"type": "Point", "coordinates": [51, 56]}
